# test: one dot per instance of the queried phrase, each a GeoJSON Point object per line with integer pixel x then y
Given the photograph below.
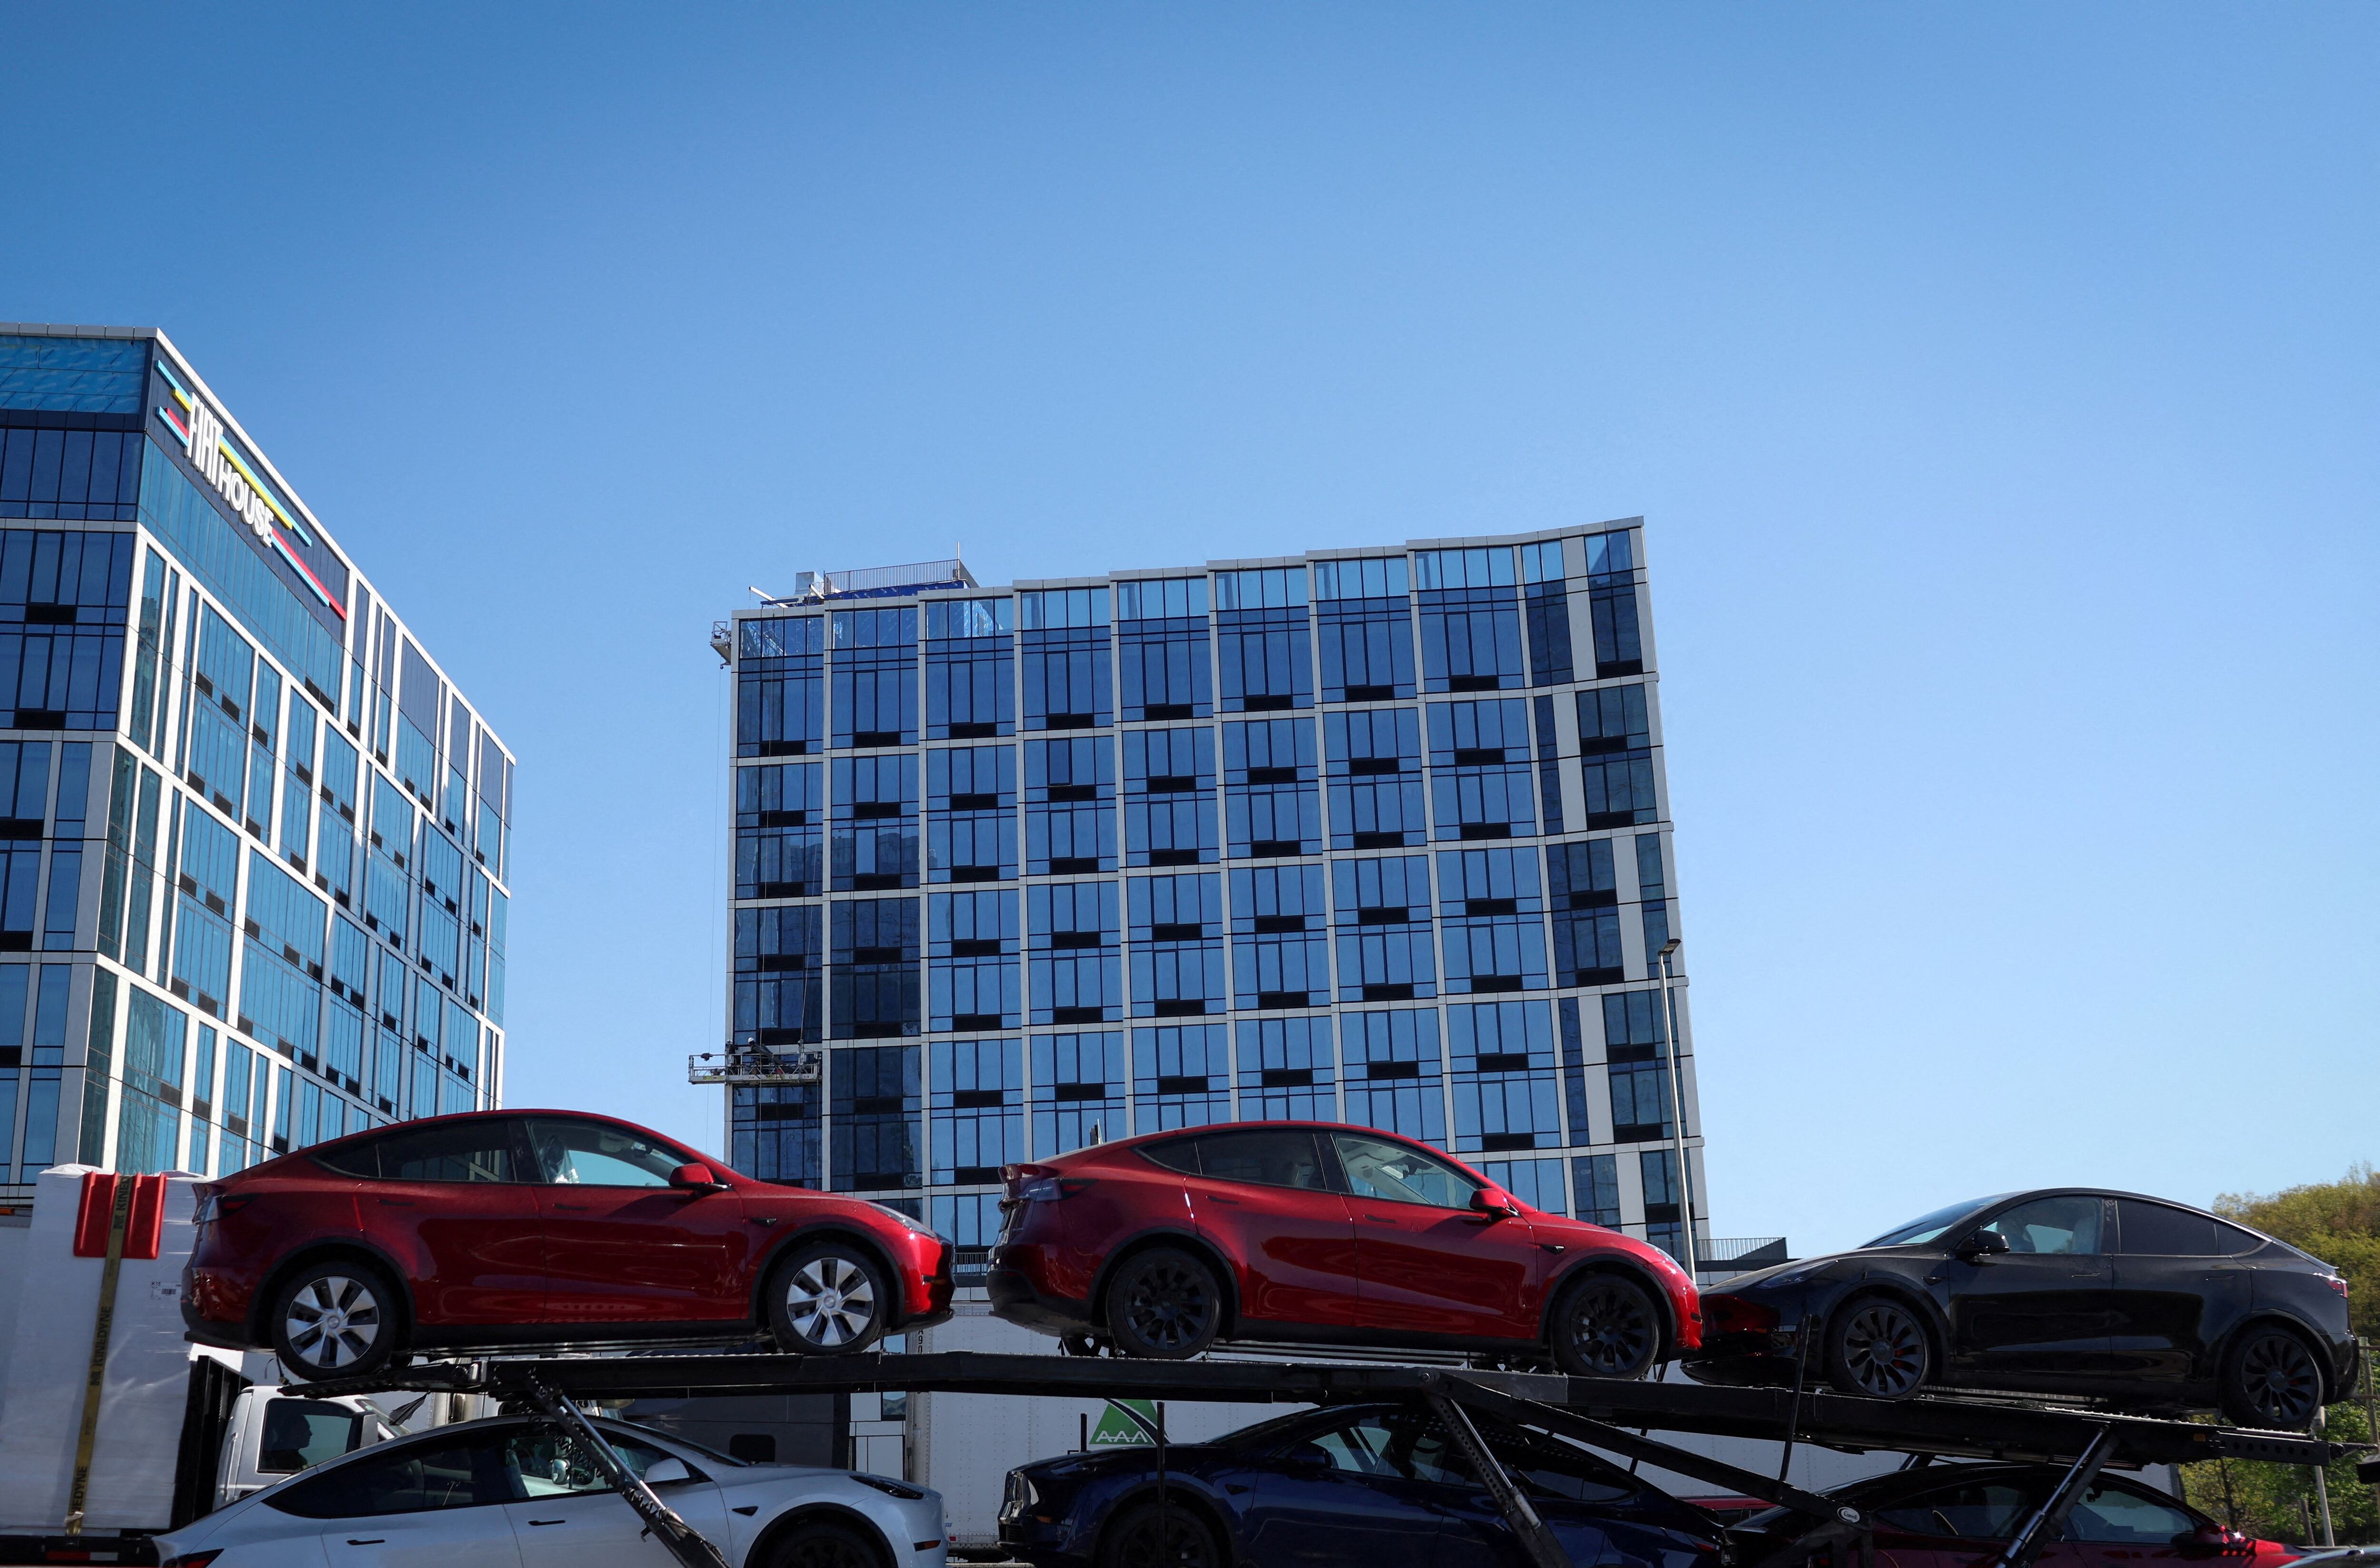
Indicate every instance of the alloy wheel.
{"type": "Point", "coordinates": [831, 1301]}
{"type": "Point", "coordinates": [1169, 1305]}
{"type": "Point", "coordinates": [1883, 1350]}
{"type": "Point", "coordinates": [1610, 1330]}
{"type": "Point", "coordinates": [1186, 1544]}
{"type": "Point", "coordinates": [2281, 1380]}
{"type": "Point", "coordinates": [332, 1322]}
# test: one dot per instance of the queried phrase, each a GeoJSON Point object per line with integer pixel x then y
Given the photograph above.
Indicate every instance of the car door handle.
{"type": "Point", "coordinates": [370, 1540]}
{"type": "Point", "coordinates": [548, 1521]}
{"type": "Point", "coordinates": [1235, 1488]}
{"type": "Point", "coordinates": [1382, 1219]}
{"type": "Point", "coordinates": [748, 1510]}
{"type": "Point", "coordinates": [1219, 1197]}
{"type": "Point", "coordinates": [764, 1219]}
{"type": "Point", "coordinates": [398, 1203]}
{"type": "Point", "coordinates": [572, 1209]}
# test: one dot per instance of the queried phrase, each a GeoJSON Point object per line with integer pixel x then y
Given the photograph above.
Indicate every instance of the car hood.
{"type": "Point", "coordinates": [1815, 1268]}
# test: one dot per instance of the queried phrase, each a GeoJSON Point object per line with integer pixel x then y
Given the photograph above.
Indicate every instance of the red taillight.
{"type": "Point", "coordinates": [1040, 1183]}
{"type": "Point", "coordinates": [2338, 1286]}
{"type": "Point", "coordinates": [1733, 1315]}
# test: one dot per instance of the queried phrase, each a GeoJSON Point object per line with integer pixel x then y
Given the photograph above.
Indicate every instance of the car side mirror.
{"type": "Point", "coordinates": [669, 1467]}
{"type": "Point", "coordinates": [1492, 1203]}
{"type": "Point", "coordinates": [1982, 1244]}
{"type": "Point", "coordinates": [1308, 1457]}
{"type": "Point", "coordinates": [696, 1178]}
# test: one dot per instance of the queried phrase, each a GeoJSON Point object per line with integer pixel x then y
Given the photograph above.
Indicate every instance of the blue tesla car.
{"type": "Point", "coordinates": [1380, 1486]}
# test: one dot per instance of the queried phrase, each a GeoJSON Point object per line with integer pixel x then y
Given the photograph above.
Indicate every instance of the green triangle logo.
{"type": "Point", "coordinates": [1116, 1429]}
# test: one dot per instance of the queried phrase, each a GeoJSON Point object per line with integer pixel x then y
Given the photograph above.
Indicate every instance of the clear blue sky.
{"type": "Point", "coordinates": [1999, 385]}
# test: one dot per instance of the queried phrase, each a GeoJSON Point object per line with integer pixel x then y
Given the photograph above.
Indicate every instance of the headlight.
{"type": "Point", "coordinates": [889, 1487]}
{"type": "Point", "coordinates": [907, 1221]}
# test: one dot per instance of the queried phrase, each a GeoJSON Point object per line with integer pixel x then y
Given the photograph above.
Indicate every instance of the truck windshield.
{"type": "Point", "coordinates": [301, 1432]}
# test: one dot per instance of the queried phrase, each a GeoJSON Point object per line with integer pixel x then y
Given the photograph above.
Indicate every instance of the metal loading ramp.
{"type": "Point", "coordinates": [1615, 1417]}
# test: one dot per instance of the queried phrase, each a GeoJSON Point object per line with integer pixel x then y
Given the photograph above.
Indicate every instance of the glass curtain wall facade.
{"type": "Point", "coordinates": [1374, 836]}
{"type": "Point", "coordinates": [256, 846]}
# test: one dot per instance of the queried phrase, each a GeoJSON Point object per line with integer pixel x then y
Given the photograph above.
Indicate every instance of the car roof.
{"type": "Point", "coordinates": [412, 1122]}
{"type": "Point", "coordinates": [1997, 1199]}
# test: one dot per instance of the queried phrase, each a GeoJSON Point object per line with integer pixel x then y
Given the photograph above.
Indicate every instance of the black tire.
{"type": "Point", "coordinates": [1606, 1325]}
{"type": "Point", "coordinates": [1164, 1305]}
{"type": "Point", "coordinates": [337, 1318]}
{"type": "Point", "coordinates": [823, 1543]}
{"type": "Point", "coordinates": [1877, 1348]}
{"type": "Point", "coordinates": [1131, 1541]}
{"type": "Point", "coordinates": [829, 1298]}
{"type": "Point", "coordinates": [2271, 1380]}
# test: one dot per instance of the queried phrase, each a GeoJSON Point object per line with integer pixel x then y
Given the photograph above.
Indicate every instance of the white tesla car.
{"type": "Point", "coordinates": [511, 1494]}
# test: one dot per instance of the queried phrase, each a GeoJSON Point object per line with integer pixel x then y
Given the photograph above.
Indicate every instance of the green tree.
{"type": "Point", "coordinates": [2338, 1222]}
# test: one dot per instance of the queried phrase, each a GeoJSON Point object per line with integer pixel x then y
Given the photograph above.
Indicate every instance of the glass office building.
{"type": "Point", "coordinates": [1376, 836]}
{"type": "Point", "coordinates": [253, 843]}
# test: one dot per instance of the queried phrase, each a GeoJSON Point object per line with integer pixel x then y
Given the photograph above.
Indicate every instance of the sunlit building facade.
{"type": "Point", "coordinates": [1376, 836]}
{"type": "Point", "coordinates": [253, 843]}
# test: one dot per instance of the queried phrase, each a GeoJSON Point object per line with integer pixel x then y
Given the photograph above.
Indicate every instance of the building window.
{"type": "Point", "coordinates": [1652, 887]}
{"type": "Point", "coordinates": [779, 826]}
{"type": "Point", "coordinates": [1504, 1079]}
{"type": "Point", "coordinates": [1263, 641]}
{"type": "Point", "coordinates": [874, 845]}
{"type": "Point", "coordinates": [1635, 1039]}
{"type": "Point", "coordinates": [82, 475]}
{"type": "Point", "coordinates": [1280, 953]}
{"type": "Point", "coordinates": [1286, 1069]}
{"type": "Point", "coordinates": [1586, 914]}
{"type": "Point", "coordinates": [1177, 946]}
{"type": "Point", "coordinates": [971, 814]}
{"type": "Point", "coordinates": [1074, 942]}
{"type": "Point", "coordinates": [875, 951]}
{"type": "Point", "coordinates": [1492, 912]}
{"type": "Point", "coordinates": [1471, 638]}
{"type": "Point", "coordinates": [1070, 805]}
{"type": "Point", "coordinates": [1364, 622]}
{"type": "Point", "coordinates": [970, 669]}
{"type": "Point", "coordinates": [780, 686]}
{"type": "Point", "coordinates": [1597, 1178]}
{"type": "Point", "coordinates": [1611, 593]}
{"type": "Point", "coordinates": [1382, 919]}
{"type": "Point", "coordinates": [1375, 768]}
{"type": "Point", "coordinates": [1480, 786]}
{"type": "Point", "coordinates": [1064, 647]}
{"type": "Point", "coordinates": [1271, 804]}
{"type": "Point", "coordinates": [971, 962]}
{"type": "Point", "coordinates": [1394, 1072]}
{"type": "Point", "coordinates": [778, 975]}
{"type": "Point", "coordinates": [1169, 796]}
{"type": "Point", "coordinates": [1078, 1089]}
{"type": "Point", "coordinates": [1181, 1076]}
{"type": "Point", "coordinates": [874, 1115]}
{"type": "Point", "coordinates": [1537, 1183]}
{"type": "Point", "coordinates": [1549, 784]}
{"type": "Point", "coordinates": [875, 677]}
{"type": "Point", "coordinates": [976, 1112]}
{"type": "Point", "coordinates": [774, 1131]}
{"type": "Point", "coordinates": [1161, 641]}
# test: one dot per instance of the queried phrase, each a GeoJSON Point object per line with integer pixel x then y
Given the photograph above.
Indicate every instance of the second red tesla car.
{"type": "Point", "coordinates": [540, 1227]}
{"type": "Point", "coordinates": [1162, 1245]}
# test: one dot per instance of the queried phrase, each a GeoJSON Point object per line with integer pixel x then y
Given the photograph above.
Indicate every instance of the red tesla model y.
{"type": "Point", "coordinates": [501, 1228]}
{"type": "Point", "coordinates": [1160, 1246]}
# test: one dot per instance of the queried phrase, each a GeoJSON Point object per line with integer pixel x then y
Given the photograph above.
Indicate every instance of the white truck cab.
{"type": "Point", "coordinates": [274, 1435]}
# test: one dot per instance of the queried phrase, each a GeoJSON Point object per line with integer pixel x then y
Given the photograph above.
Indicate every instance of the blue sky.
{"type": "Point", "coordinates": [1999, 386]}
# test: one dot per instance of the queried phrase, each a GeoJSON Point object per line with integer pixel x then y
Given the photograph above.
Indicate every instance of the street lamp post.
{"type": "Point", "coordinates": [1685, 1194]}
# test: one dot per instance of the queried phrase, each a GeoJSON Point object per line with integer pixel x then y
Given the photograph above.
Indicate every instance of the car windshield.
{"type": "Point", "coordinates": [1931, 1226]}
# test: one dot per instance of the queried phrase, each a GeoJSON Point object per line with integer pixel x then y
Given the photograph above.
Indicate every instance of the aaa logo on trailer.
{"type": "Point", "coordinates": [218, 461]}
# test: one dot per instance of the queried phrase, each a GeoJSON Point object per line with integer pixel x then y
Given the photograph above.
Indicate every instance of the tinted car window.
{"type": "Point", "coordinates": [1977, 1510]}
{"type": "Point", "coordinates": [1400, 1444]}
{"type": "Point", "coordinates": [459, 1151]}
{"type": "Point", "coordinates": [2154, 1229]}
{"type": "Point", "coordinates": [543, 1464]}
{"type": "Point", "coordinates": [1180, 1155]}
{"type": "Point", "coordinates": [1278, 1157]}
{"type": "Point", "coordinates": [403, 1477]}
{"type": "Point", "coordinates": [596, 1154]}
{"type": "Point", "coordinates": [2115, 1514]}
{"type": "Point", "coordinates": [303, 1432]}
{"type": "Point", "coordinates": [2230, 1241]}
{"type": "Point", "coordinates": [1551, 1468]}
{"type": "Point", "coordinates": [2069, 1226]}
{"type": "Point", "coordinates": [1399, 1174]}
